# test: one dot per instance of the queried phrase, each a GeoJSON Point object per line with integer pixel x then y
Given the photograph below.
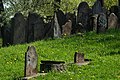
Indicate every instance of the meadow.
{"type": "Point", "coordinates": [102, 49]}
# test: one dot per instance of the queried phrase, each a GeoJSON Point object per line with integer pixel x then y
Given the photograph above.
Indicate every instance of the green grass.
{"type": "Point", "coordinates": [103, 49]}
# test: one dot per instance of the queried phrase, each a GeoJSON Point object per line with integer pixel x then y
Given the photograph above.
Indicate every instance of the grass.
{"type": "Point", "coordinates": [103, 49]}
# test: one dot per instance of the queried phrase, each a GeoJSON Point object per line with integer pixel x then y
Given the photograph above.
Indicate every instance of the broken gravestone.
{"type": "Point", "coordinates": [112, 21]}
{"type": "Point", "coordinates": [101, 23]}
{"type": "Point", "coordinates": [66, 29]}
{"type": "Point", "coordinates": [79, 59]}
{"type": "Point", "coordinates": [57, 29]}
{"type": "Point", "coordinates": [18, 25]}
{"type": "Point", "coordinates": [31, 62]}
{"type": "Point", "coordinates": [83, 14]}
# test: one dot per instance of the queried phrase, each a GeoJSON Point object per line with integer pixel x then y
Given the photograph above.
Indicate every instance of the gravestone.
{"type": "Point", "coordinates": [49, 32]}
{"type": "Point", "coordinates": [93, 22]}
{"type": "Point", "coordinates": [6, 35]}
{"type": "Point", "coordinates": [66, 29]}
{"type": "Point", "coordinates": [31, 62]}
{"type": "Point", "coordinates": [61, 18]}
{"type": "Point", "coordinates": [78, 57]}
{"type": "Point", "coordinates": [35, 27]}
{"type": "Point", "coordinates": [112, 21]}
{"type": "Point", "coordinates": [83, 14]}
{"type": "Point", "coordinates": [72, 17]}
{"type": "Point", "coordinates": [97, 8]}
{"type": "Point", "coordinates": [18, 24]}
{"type": "Point", "coordinates": [101, 23]}
{"type": "Point", "coordinates": [57, 29]}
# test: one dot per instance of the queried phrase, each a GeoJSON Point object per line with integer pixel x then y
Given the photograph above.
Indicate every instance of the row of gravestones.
{"type": "Point", "coordinates": [98, 18]}
{"type": "Point", "coordinates": [22, 30]}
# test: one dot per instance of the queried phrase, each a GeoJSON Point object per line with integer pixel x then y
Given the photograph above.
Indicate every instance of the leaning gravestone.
{"type": "Point", "coordinates": [97, 8]}
{"type": "Point", "coordinates": [57, 29]}
{"type": "Point", "coordinates": [83, 14]}
{"type": "Point", "coordinates": [101, 23]}
{"type": "Point", "coordinates": [35, 27]}
{"type": "Point", "coordinates": [31, 60]}
{"type": "Point", "coordinates": [18, 24]}
{"type": "Point", "coordinates": [112, 21]}
{"type": "Point", "coordinates": [66, 29]}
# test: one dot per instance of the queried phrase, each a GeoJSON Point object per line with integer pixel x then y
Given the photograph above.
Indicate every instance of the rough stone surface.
{"type": "Point", "coordinates": [31, 60]}
{"type": "Point", "coordinates": [57, 29]}
{"type": "Point", "coordinates": [78, 57]}
{"type": "Point", "coordinates": [101, 23]}
{"type": "Point", "coordinates": [112, 21]}
{"type": "Point", "coordinates": [18, 25]}
{"type": "Point", "coordinates": [67, 28]}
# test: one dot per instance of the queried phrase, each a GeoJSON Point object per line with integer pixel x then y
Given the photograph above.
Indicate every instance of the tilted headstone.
{"type": "Point", "coordinates": [31, 62]}
{"type": "Point", "coordinates": [6, 35]}
{"type": "Point", "coordinates": [66, 29]}
{"type": "Point", "coordinates": [101, 23]}
{"type": "Point", "coordinates": [78, 57]}
{"type": "Point", "coordinates": [97, 8]}
{"type": "Point", "coordinates": [112, 21]}
{"type": "Point", "coordinates": [57, 29]}
{"type": "Point", "coordinates": [18, 25]}
{"type": "Point", "coordinates": [83, 14]}
{"type": "Point", "coordinates": [35, 27]}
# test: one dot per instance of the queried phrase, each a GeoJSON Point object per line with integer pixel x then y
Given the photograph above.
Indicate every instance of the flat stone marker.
{"type": "Point", "coordinates": [47, 66]}
{"type": "Point", "coordinates": [31, 60]}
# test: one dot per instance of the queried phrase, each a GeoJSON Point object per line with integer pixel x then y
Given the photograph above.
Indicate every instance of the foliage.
{"type": "Point", "coordinates": [102, 49]}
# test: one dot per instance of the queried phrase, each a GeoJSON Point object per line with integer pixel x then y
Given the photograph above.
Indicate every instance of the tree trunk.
{"type": "Point", "coordinates": [119, 2]}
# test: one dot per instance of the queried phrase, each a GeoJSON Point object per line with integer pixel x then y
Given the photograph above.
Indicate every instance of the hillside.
{"type": "Point", "coordinates": [102, 49]}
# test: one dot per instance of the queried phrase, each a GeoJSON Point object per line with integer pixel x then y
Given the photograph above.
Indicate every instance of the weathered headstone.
{"type": "Point", "coordinates": [78, 57]}
{"type": "Point", "coordinates": [93, 22]}
{"type": "Point", "coordinates": [112, 21]}
{"type": "Point", "coordinates": [66, 29]}
{"type": "Point", "coordinates": [31, 62]}
{"type": "Point", "coordinates": [18, 25]}
{"type": "Point", "coordinates": [101, 23]}
{"type": "Point", "coordinates": [72, 17]}
{"type": "Point", "coordinates": [97, 8]}
{"type": "Point", "coordinates": [57, 29]}
{"type": "Point", "coordinates": [35, 27]}
{"type": "Point", "coordinates": [6, 35]}
{"type": "Point", "coordinates": [83, 14]}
